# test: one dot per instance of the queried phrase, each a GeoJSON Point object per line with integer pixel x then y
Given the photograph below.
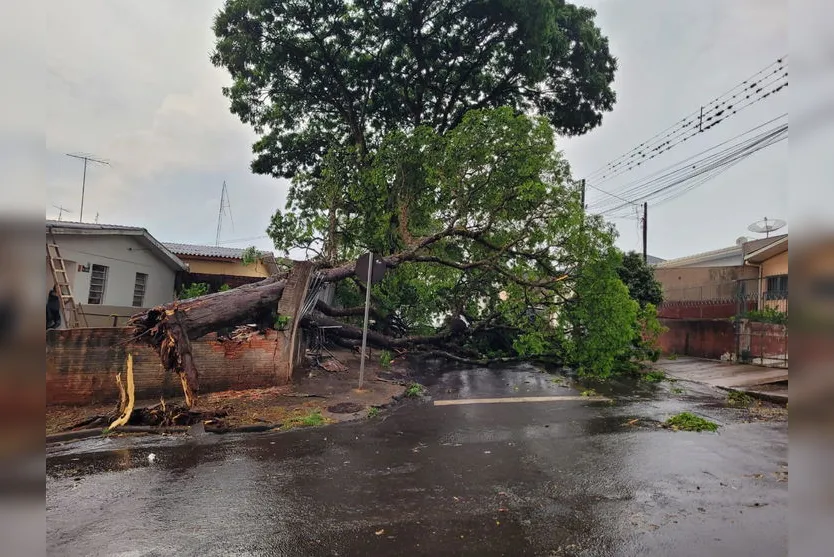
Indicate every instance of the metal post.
{"type": "Point", "coordinates": [583, 195]}
{"type": "Point", "coordinates": [367, 311]}
{"type": "Point", "coordinates": [83, 184]}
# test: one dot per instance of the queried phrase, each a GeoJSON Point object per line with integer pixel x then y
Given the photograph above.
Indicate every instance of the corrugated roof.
{"type": "Point", "coordinates": [205, 251]}
{"type": "Point", "coordinates": [90, 228]}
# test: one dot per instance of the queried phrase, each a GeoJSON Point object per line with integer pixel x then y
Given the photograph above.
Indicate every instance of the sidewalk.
{"type": "Point", "coordinates": [762, 382]}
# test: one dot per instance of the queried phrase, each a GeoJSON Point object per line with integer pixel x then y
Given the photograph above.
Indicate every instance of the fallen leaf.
{"type": "Point", "coordinates": [379, 532]}
{"type": "Point", "coordinates": [497, 523]}
{"type": "Point", "coordinates": [632, 422]}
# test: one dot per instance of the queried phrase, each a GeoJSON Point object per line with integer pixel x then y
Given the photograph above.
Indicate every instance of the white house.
{"type": "Point", "coordinates": [114, 271]}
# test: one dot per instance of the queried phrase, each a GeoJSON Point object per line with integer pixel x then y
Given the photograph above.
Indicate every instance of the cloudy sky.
{"type": "Point", "coordinates": [131, 82]}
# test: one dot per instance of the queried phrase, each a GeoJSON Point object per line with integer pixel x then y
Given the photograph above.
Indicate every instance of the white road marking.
{"type": "Point", "coordinates": [456, 402]}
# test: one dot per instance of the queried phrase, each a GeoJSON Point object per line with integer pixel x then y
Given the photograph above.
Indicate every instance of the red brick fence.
{"type": "Point", "coordinates": [81, 365]}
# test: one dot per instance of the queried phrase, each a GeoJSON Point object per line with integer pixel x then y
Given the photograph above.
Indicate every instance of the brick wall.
{"type": "Point", "coordinates": [763, 340]}
{"type": "Point", "coordinates": [81, 365]}
{"type": "Point", "coordinates": [703, 338]}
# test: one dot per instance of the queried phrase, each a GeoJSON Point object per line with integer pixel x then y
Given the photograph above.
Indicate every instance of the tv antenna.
{"type": "Point", "coordinates": [766, 226]}
{"type": "Point", "coordinates": [224, 205]}
{"type": "Point", "coordinates": [61, 211]}
{"type": "Point", "coordinates": [85, 158]}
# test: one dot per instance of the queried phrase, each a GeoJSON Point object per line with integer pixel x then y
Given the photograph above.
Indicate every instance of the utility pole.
{"type": "Point", "coordinates": [583, 195]}
{"type": "Point", "coordinates": [85, 158]}
{"type": "Point", "coordinates": [645, 231]}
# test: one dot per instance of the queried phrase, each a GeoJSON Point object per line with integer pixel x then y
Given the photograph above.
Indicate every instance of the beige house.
{"type": "Point", "coordinates": [717, 274]}
{"type": "Point", "coordinates": [771, 262]}
{"type": "Point", "coordinates": [216, 265]}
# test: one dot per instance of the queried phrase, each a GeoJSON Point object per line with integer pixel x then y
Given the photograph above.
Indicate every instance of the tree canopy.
{"type": "Point", "coordinates": [309, 75]}
{"type": "Point", "coordinates": [424, 131]}
{"type": "Point", "coordinates": [638, 276]}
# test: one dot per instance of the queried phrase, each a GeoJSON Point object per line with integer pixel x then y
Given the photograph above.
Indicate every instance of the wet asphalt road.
{"type": "Point", "coordinates": [544, 478]}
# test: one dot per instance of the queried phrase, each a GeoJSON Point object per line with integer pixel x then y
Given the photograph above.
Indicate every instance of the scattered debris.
{"type": "Point", "coordinates": [686, 421]}
{"type": "Point", "coordinates": [151, 458]}
{"type": "Point", "coordinates": [333, 365]}
{"type": "Point", "coordinates": [380, 532]}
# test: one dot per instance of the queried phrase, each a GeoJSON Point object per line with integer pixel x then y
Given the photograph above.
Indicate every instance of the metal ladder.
{"type": "Point", "coordinates": [72, 314]}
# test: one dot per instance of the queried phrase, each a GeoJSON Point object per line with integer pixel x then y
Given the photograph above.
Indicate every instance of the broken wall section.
{"type": "Point", "coordinates": [81, 365]}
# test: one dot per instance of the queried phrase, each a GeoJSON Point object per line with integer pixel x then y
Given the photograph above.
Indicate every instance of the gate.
{"type": "Point", "coordinates": [761, 321]}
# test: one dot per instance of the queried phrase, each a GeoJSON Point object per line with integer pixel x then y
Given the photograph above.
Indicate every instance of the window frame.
{"type": "Point", "coordinates": [144, 289]}
{"type": "Point", "coordinates": [103, 293]}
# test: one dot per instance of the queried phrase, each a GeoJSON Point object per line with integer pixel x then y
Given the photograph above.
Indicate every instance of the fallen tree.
{"type": "Point", "coordinates": [497, 236]}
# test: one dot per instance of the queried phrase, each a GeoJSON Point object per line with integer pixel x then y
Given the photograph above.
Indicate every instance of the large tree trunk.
{"type": "Point", "coordinates": [170, 328]}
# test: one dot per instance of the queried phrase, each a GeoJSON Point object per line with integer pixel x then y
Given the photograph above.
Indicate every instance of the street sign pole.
{"type": "Point", "coordinates": [367, 311]}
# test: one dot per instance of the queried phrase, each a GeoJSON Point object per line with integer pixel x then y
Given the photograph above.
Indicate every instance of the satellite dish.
{"type": "Point", "coordinates": [741, 240]}
{"type": "Point", "coordinates": [766, 226]}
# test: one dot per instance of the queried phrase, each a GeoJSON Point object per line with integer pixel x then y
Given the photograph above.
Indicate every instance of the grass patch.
{"type": "Point", "coordinates": [373, 412]}
{"type": "Point", "coordinates": [588, 392]}
{"type": "Point", "coordinates": [556, 380]}
{"type": "Point", "coordinates": [654, 376]}
{"type": "Point", "coordinates": [385, 358]}
{"type": "Point", "coordinates": [672, 356]}
{"type": "Point", "coordinates": [312, 418]}
{"type": "Point", "coordinates": [414, 390]}
{"type": "Point", "coordinates": [686, 421]}
{"type": "Point", "coordinates": [677, 390]}
{"type": "Point", "coordinates": [737, 398]}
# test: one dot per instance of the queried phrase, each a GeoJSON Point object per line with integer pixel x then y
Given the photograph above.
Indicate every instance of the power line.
{"type": "Point", "coordinates": [760, 93]}
{"type": "Point", "coordinates": [631, 186]}
{"type": "Point", "coordinates": [713, 109]}
{"type": "Point", "coordinates": [703, 170]}
{"type": "Point", "coordinates": [714, 169]}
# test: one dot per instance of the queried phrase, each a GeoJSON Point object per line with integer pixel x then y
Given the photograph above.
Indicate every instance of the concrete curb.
{"type": "Point", "coordinates": [776, 398]}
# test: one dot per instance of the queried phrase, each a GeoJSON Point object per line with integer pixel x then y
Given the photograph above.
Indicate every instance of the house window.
{"type": "Point", "coordinates": [777, 287]}
{"type": "Point", "coordinates": [139, 289]}
{"type": "Point", "coordinates": [98, 282]}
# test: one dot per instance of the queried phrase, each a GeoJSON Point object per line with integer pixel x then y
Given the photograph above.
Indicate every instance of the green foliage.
{"type": "Point", "coordinates": [768, 315]}
{"type": "Point", "coordinates": [638, 276]}
{"type": "Point", "coordinates": [193, 290]}
{"type": "Point", "coordinates": [686, 421]}
{"type": "Point", "coordinates": [310, 74]}
{"type": "Point", "coordinates": [603, 319]}
{"type": "Point", "coordinates": [738, 398]}
{"type": "Point", "coordinates": [648, 340]}
{"type": "Point", "coordinates": [385, 358]}
{"type": "Point", "coordinates": [282, 323]}
{"type": "Point", "coordinates": [373, 412]}
{"type": "Point", "coordinates": [224, 288]}
{"type": "Point", "coordinates": [588, 392]}
{"type": "Point", "coordinates": [654, 376]}
{"type": "Point", "coordinates": [250, 255]}
{"type": "Point", "coordinates": [414, 390]}
{"type": "Point", "coordinates": [312, 418]}
{"type": "Point", "coordinates": [677, 390]}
